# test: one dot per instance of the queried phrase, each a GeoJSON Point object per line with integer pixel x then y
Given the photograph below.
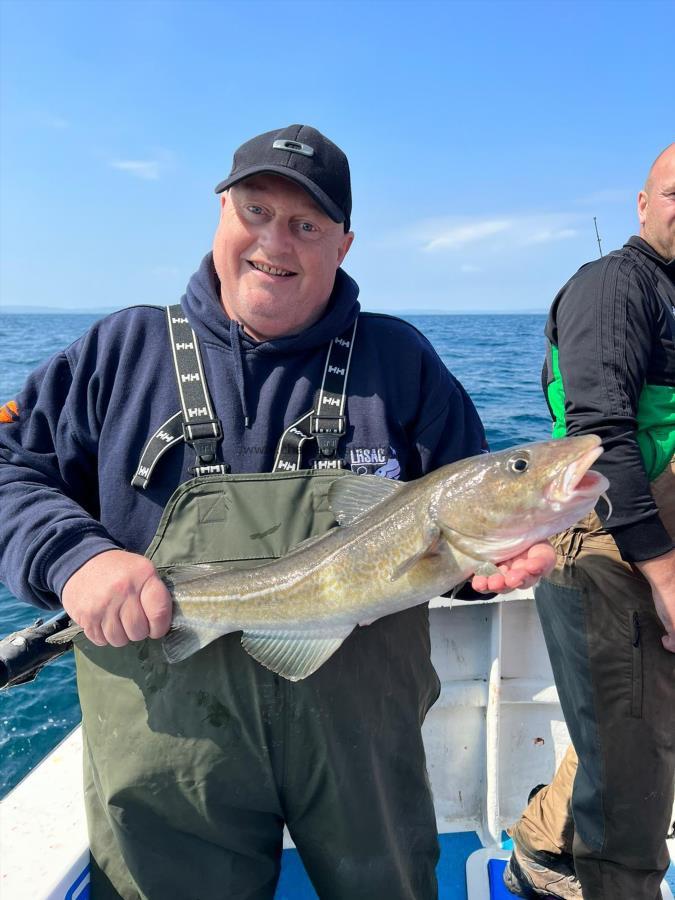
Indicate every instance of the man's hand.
{"type": "Point", "coordinates": [660, 573]}
{"type": "Point", "coordinates": [118, 597]}
{"type": "Point", "coordinates": [521, 572]}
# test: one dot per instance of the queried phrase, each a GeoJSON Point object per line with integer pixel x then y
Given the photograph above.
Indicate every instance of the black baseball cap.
{"type": "Point", "coordinates": [304, 155]}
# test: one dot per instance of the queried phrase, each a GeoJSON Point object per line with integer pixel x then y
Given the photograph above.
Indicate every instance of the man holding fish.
{"type": "Point", "coordinates": [193, 462]}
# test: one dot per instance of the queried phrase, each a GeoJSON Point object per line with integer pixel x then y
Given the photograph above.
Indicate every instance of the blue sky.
{"type": "Point", "coordinates": [483, 137]}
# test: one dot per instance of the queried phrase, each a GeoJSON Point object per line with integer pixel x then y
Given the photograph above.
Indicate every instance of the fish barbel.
{"type": "Point", "coordinates": [399, 545]}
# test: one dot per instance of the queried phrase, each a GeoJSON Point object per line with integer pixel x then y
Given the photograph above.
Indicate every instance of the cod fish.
{"type": "Point", "coordinates": [398, 545]}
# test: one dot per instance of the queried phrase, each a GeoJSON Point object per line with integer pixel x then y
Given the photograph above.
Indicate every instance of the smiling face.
{"type": "Point", "coordinates": [656, 205]}
{"type": "Point", "coordinates": [276, 254]}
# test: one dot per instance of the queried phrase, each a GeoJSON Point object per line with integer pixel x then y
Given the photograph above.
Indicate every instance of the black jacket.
{"type": "Point", "coordinates": [610, 370]}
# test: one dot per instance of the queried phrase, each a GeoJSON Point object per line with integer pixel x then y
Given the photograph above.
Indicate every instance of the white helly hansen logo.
{"type": "Point", "coordinates": [197, 411]}
{"type": "Point", "coordinates": [343, 343]}
{"type": "Point", "coordinates": [331, 401]}
{"type": "Point", "coordinates": [193, 376]}
{"type": "Point", "coordinates": [185, 346]}
{"type": "Point", "coordinates": [290, 467]}
{"type": "Point", "coordinates": [165, 436]}
{"type": "Point", "coordinates": [143, 471]}
{"type": "Point", "coordinates": [327, 464]}
{"type": "Point", "coordinates": [296, 431]}
{"type": "Point", "coordinates": [179, 321]}
{"type": "Point", "coordinates": [335, 370]}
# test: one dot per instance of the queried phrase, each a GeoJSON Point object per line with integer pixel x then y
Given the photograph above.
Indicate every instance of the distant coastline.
{"type": "Point", "coordinates": [462, 312]}
{"type": "Point", "coordinates": [18, 310]}
{"type": "Point", "coordinates": [6, 309]}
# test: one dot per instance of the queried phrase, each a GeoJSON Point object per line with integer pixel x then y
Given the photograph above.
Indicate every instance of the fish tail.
{"type": "Point", "coordinates": [65, 636]}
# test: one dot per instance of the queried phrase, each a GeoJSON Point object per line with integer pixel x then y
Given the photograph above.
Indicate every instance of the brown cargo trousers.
{"type": "Point", "coordinates": [610, 802]}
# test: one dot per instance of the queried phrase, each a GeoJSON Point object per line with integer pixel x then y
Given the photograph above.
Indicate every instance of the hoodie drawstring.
{"type": "Point", "coordinates": [235, 343]}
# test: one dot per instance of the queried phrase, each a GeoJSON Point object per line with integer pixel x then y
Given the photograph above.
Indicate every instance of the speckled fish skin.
{"type": "Point", "coordinates": [423, 538]}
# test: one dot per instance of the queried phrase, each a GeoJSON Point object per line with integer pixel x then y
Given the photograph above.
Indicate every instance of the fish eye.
{"type": "Point", "coordinates": [518, 464]}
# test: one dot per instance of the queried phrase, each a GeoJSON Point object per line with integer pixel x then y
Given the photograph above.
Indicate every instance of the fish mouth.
{"type": "Point", "coordinates": [578, 481]}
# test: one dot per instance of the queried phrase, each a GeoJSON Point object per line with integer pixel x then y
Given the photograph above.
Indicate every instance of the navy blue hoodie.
{"type": "Point", "coordinates": [67, 461]}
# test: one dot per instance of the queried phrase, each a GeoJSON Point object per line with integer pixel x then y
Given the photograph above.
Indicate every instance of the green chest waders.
{"type": "Point", "coordinates": [192, 769]}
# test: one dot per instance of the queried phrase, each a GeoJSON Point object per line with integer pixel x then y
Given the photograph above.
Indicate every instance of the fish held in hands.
{"type": "Point", "coordinates": [398, 545]}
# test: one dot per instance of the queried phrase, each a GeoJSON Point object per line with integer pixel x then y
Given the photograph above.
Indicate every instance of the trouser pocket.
{"type": "Point", "coordinates": [637, 665]}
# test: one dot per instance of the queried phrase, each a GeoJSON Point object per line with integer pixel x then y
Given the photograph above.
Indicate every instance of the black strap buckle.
{"type": "Point", "coordinates": [206, 429]}
{"type": "Point", "coordinates": [203, 437]}
{"type": "Point", "coordinates": [328, 425]}
{"type": "Point", "coordinates": [328, 443]}
{"type": "Point", "coordinates": [328, 430]}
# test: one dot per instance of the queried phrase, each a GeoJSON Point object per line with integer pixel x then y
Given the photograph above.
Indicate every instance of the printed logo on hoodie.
{"type": "Point", "coordinates": [374, 461]}
{"type": "Point", "coordinates": [9, 412]}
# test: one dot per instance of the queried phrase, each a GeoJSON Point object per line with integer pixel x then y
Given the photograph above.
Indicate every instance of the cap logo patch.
{"type": "Point", "coordinates": [9, 412]}
{"type": "Point", "coordinates": [294, 147]}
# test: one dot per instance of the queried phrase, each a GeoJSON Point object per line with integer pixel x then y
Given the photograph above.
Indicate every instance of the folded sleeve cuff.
{"type": "Point", "coordinates": [642, 540]}
{"type": "Point", "coordinates": [72, 555]}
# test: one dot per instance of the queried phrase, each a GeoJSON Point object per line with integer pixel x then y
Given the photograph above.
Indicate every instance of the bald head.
{"type": "Point", "coordinates": [656, 205]}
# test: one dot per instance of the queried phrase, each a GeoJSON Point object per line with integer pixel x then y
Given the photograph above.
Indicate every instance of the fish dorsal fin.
{"type": "Point", "coordinates": [353, 496]}
{"type": "Point", "coordinates": [292, 654]}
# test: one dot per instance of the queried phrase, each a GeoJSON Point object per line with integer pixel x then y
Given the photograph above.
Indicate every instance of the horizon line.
{"type": "Point", "coordinates": [28, 309]}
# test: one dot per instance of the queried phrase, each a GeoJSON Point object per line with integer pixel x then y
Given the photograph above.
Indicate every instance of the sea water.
{"type": "Point", "coordinates": [497, 358]}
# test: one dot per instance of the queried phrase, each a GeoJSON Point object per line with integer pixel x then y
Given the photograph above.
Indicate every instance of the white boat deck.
{"type": "Point", "coordinates": [43, 832]}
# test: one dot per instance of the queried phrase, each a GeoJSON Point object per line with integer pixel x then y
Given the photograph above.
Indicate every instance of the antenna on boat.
{"type": "Point", "coordinates": [595, 222]}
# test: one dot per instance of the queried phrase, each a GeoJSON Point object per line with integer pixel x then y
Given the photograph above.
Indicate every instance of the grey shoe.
{"type": "Point", "coordinates": [538, 874]}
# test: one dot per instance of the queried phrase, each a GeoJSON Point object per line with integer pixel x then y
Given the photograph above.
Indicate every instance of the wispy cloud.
{"type": "Point", "coordinates": [460, 235]}
{"type": "Point", "coordinates": [608, 195]}
{"type": "Point", "coordinates": [551, 234]}
{"type": "Point", "coordinates": [493, 233]}
{"type": "Point", "coordinates": [148, 169]}
{"type": "Point", "coordinates": [41, 118]}
{"type": "Point", "coordinates": [52, 121]}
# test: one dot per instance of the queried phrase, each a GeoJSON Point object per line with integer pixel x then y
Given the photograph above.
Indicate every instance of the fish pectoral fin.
{"type": "Point", "coordinates": [354, 495]}
{"type": "Point", "coordinates": [466, 563]}
{"type": "Point", "coordinates": [486, 568]}
{"type": "Point", "coordinates": [185, 638]}
{"type": "Point", "coordinates": [431, 546]}
{"type": "Point", "coordinates": [291, 654]}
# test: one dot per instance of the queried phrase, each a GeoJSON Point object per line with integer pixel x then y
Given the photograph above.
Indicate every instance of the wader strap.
{"type": "Point", "coordinates": [166, 436]}
{"type": "Point", "coordinates": [326, 422]}
{"type": "Point", "coordinates": [197, 424]}
{"type": "Point", "coordinates": [201, 427]}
